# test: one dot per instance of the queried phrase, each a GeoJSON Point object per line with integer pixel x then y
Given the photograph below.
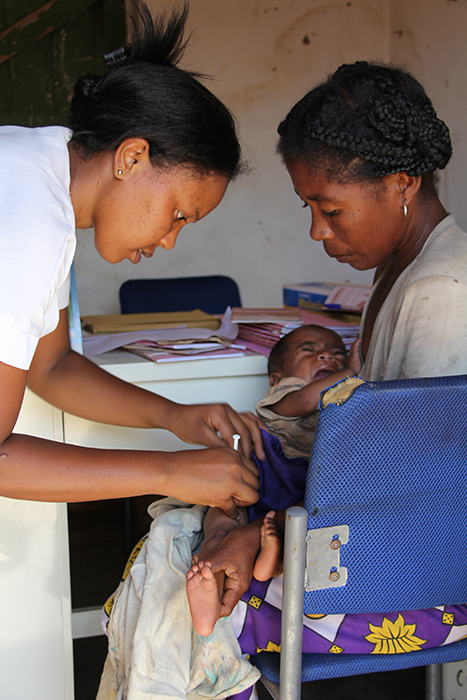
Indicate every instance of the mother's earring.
{"type": "Point", "coordinates": [120, 172]}
{"type": "Point", "coordinates": [404, 208]}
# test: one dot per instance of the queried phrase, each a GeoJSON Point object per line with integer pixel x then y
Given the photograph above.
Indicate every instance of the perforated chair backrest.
{"type": "Point", "coordinates": [391, 463]}
{"type": "Point", "coordinates": [210, 293]}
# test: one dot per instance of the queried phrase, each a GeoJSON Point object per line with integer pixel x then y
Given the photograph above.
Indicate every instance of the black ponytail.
{"type": "Point", "coordinates": [145, 95]}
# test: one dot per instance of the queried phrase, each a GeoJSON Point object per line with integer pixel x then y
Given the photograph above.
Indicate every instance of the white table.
{"type": "Point", "coordinates": [36, 627]}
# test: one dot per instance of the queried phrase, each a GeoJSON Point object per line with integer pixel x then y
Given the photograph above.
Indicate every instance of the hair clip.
{"type": "Point", "coordinates": [114, 58]}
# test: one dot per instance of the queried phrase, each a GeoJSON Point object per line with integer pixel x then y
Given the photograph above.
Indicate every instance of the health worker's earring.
{"type": "Point", "coordinates": [404, 209]}
{"type": "Point", "coordinates": [120, 172]}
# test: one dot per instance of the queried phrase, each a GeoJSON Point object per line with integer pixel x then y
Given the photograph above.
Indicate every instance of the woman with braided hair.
{"type": "Point", "coordinates": [149, 149]}
{"type": "Point", "coordinates": [362, 150]}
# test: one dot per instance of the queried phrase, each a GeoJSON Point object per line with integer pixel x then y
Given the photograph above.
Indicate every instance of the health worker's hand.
{"type": "Point", "coordinates": [214, 425]}
{"type": "Point", "coordinates": [217, 477]}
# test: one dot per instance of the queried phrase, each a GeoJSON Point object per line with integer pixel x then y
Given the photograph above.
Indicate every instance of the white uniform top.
{"type": "Point", "coordinates": [37, 237]}
{"type": "Point", "coordinates": [421, 328]}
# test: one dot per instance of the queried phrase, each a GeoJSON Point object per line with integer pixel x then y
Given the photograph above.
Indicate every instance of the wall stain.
{"type": "Point", "coordinates": [317, 22]}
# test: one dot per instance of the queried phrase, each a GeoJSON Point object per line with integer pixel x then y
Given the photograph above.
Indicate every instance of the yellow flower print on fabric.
{"type": "Point", "coordinates": [271, 646]}
{"type": "Point", "coordinates": [394, 637]}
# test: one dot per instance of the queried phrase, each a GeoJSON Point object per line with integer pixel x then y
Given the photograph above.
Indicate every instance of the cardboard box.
{"type": "Point", "coordinates": [318, 296]}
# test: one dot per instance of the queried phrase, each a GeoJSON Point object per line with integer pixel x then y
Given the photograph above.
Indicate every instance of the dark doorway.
{"type": "Point", "coordinates": [45, 47]}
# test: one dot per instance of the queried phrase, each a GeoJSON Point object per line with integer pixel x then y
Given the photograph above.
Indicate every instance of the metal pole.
{"type": "Point", "coordinates": [292, 603]}
{"type": "Point", "coordinates": [433, 682]}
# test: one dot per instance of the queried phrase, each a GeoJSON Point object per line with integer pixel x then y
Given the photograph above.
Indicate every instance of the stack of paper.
{"type": "Point", "coordinates": [99, 342]}
{"type": "Point", "coordinates": [177, 351]}
{"type": "Point", "coordinates": [279, 316]}
{"type": "Point", "coordinates": [260, 329]}
{"type": "Point", "coordinates": [252, 329]}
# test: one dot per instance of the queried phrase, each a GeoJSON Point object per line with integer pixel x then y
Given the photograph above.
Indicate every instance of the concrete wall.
{"type": "Point", "coordinates": [430, 38]}
{"type": "Point", "coordinates": [263, 57]}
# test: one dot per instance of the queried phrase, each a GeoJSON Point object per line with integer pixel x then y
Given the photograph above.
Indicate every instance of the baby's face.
{"type": "Point", "coordinates": [314, 354]}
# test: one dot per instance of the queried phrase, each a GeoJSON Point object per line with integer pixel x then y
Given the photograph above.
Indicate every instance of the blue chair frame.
{"type": "Point", "coordinates": [389, 460]}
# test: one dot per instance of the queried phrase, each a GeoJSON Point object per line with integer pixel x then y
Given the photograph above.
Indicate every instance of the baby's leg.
{"type": "Point", "coordinates": [203, 587]}
{"type": "Point", "coordinates": [269, 561]}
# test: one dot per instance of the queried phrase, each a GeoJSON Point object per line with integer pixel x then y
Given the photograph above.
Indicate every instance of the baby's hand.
{"type": "Point", "coordinates": [353, 359]}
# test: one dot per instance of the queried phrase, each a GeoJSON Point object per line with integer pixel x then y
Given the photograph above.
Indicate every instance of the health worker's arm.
{"type": "Point", "coordinates": [75, 385]}
{"type": "Point", "coordinates": [31, 468]}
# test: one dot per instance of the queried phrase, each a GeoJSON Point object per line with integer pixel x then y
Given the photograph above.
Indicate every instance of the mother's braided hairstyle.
{"type": "Point", "coordinates": [364, 122]}
{"type": "Point", "coordinates": [145, 95]}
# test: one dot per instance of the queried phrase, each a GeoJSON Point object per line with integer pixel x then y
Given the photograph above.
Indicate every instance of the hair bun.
{"type": "Point", "coordinates": [86, 85]}
{"type": "Point", "coordinates": [390, 120]}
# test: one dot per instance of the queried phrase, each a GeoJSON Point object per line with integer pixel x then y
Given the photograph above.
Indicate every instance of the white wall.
{"type": "Point", "coordinates": [430, 38]}
{"type": "Point", "coordinates": [264, 56]}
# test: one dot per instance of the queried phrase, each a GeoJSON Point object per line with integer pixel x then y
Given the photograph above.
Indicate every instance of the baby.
{"type": "Point", "coordinates": [301, 365]}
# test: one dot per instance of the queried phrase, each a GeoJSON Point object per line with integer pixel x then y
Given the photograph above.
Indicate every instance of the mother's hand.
{"type": "Point", "coordinates": [199, 424]}
{"type": "Point", "coordinates": [236, 557]}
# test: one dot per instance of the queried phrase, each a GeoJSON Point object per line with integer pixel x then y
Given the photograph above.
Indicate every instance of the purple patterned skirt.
{"type": "Point", "coordinates": [257, 623]}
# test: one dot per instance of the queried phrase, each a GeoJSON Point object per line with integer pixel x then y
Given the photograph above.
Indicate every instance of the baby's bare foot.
{"type": "Point", "coordinates": [269, 562]}
{"type": "Point", "coordinates": [203, 597]}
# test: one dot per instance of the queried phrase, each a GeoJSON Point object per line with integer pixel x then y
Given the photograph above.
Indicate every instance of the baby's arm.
{"type": "Point", "coordinates": [304, 401]}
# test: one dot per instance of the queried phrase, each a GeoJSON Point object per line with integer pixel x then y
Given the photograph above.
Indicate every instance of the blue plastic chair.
{"type": "Point", "coordinates": [210, 293]}
{"type": "Point", "coordinates": [390, 463]}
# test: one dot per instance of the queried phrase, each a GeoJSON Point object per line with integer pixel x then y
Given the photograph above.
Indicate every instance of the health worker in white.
{"type": "Point", "coordinates": [149, 149]}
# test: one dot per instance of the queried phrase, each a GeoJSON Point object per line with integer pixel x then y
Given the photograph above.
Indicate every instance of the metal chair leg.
{"type": "Point", "coordinates": [292, 603]}
{"type": "Point", "coordinates": [433, 682]}
{"type": "Point", "coordinates": [272, 688]}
